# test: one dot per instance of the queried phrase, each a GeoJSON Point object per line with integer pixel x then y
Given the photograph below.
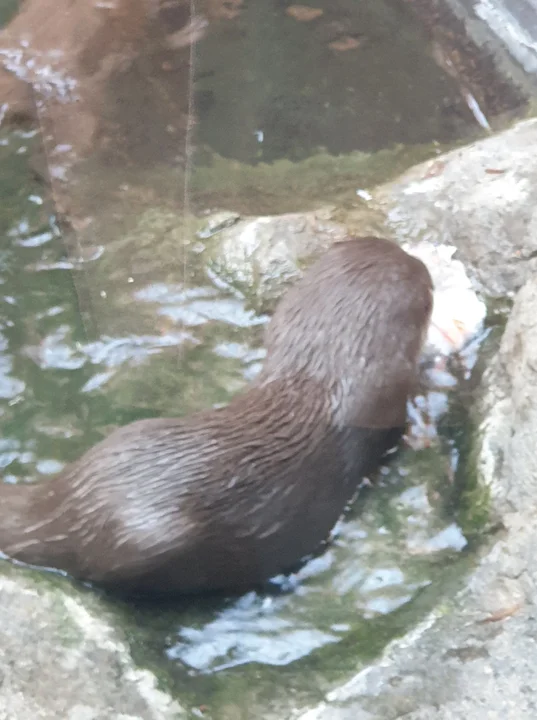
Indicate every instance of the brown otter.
{"type": "Point", "coordinates": [230, 497]}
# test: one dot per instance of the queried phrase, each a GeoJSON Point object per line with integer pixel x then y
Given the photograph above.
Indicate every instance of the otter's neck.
{"type": "Point", "coordinates": [372, 397]}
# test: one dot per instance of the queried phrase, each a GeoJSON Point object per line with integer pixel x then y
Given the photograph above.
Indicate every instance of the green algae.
{"type": "Point", "coordinates": [284, 186]}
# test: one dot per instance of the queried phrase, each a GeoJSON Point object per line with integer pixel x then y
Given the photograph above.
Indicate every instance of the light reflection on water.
{"type": "Point", "coordinates": [368, 571]}
{"type": "Point", "coordinates": [62, 388]}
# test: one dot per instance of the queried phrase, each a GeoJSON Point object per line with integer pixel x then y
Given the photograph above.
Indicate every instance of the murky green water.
{"type": "Point", "coordinates": [269, 91]}
{"type": "Point", "coordinates": [121, 320]}
{"type": "Point", "coordinates": [92, 338]}
{"type": "Point", "coordinates": [270, 86]}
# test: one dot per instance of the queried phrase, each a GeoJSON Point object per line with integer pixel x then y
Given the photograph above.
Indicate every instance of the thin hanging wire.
{"type": "Point", "coordinates": [189, 145]}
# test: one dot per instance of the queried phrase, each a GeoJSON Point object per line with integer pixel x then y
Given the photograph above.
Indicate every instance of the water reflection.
{"type": "Point", "coordinates": [253, 630]}
{"type": "Point", "coordinates": [10, 387]}
{"type": "Point", "coordinates": [61, 389]}
{"type": "Point", "coordinates": [265, 81]}
{"type": "Point", "coordinates": [166, 338]}
{"type": "Point", "coordinates": [356, 76]}
{"type": "Point", "coordinates": [197, 306]}
{"type": "Point", "coordinates": [368, 571]}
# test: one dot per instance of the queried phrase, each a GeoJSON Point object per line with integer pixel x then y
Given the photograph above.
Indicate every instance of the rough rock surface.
{"type": "Point", "coordinates": [263, 254]}
{"type": "Point", "coordinates": [61, 657]}
{"type": "Point", "coordinates": [481, 199]}
{"type": "Point", "coordinates": [475, 657]}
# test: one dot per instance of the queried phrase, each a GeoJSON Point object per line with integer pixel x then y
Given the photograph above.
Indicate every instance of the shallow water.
{"type": "Point", "coordinates": [271, 86]}
{"type": "Point", "coordinates": [121, 320]}
{"type": "Point", "coordinates": [277, 110]}
{"type": "Point", "coordinates": [72, 369]}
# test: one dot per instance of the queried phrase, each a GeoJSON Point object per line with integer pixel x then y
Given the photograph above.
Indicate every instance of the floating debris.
{"type": "Point", "coordinates": [347, 42]}
{"type": "Point", "coordinates": [304, 13]}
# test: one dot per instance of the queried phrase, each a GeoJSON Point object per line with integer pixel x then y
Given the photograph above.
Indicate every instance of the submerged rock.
{"type": "Point", "coordinates": [260, 256]}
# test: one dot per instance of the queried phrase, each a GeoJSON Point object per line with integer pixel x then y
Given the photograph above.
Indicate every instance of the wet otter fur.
{"type": "Point", "coordinates": [229, 497]}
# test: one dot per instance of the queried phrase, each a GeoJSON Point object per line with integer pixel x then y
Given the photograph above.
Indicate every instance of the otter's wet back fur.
{"type": "Point", "coordinates": [229, 497]}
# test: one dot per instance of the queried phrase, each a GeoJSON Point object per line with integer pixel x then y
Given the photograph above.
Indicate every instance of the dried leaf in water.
{"type": "Point", "coordinates": [303, 13]}
{"type": "Point", "coordinates": [502, 614]}
{"type": "Point", "coordinates": [347, 42]}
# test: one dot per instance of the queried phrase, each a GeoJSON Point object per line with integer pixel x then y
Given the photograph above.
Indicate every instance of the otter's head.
{"type": "Point", "coordinates": [355, 323]}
